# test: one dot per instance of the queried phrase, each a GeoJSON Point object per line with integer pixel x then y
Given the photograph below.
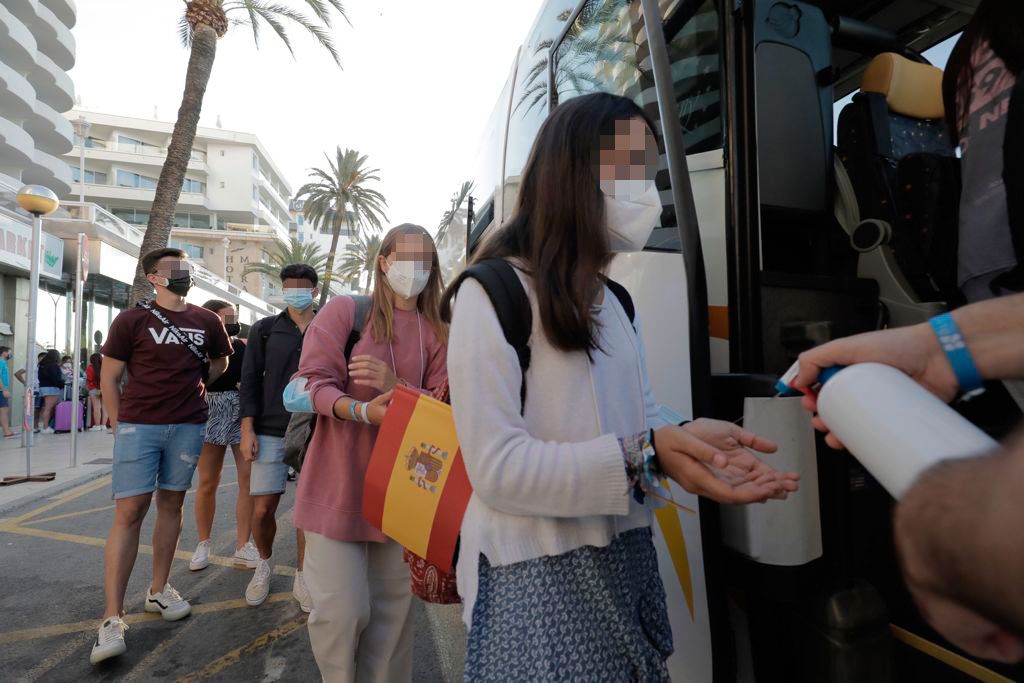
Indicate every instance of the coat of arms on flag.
{"type": "Point", "coordinates": [416, 488]}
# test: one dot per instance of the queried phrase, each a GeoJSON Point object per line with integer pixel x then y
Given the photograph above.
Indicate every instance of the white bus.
{"type": "Point", "coordinates": [777, 234]}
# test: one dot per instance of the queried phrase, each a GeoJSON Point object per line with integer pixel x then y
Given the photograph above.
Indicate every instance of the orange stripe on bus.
{"type": "Point", "coordinates": [718, 322]}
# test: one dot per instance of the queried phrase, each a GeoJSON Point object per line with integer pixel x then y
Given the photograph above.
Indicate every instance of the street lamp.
{"type": "Point", "coordinates": [39, 201]}
{"type": "Point", "coordinates": [82, 127]}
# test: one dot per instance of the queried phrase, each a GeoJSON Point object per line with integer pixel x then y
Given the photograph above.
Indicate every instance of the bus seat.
{"type": "Point", "coordinates": [894, 144]}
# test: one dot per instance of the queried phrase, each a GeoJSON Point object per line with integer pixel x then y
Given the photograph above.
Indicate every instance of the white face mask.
{"type": "Point", "coordinates": [407, 278]}
{"type": "Point", "coordinates": [631, 215]}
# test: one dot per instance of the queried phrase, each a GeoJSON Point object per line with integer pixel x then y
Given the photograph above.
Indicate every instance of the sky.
{"type": "Point", "coordinates": [418, 82]}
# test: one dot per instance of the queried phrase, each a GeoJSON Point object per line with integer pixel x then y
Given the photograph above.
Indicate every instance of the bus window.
{"type": "Point", "coordinates": [605, 49]}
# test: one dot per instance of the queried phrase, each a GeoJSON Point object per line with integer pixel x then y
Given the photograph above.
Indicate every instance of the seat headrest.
{"type": "Point", "coordinates": [911, 89]}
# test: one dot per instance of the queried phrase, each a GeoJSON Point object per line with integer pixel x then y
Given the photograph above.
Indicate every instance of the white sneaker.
{"type": "Point", "coordinates": [47, 431]}
{"type": "Point", "coordinates": [201, 557]}
{"type": "Point", "coordinates": [169, 603]}
{"type": "Point", "coordinates": [259, 588]}
{"type": "Point", "coordinates": [109, 640]}
{"type": "Point", "coordinates": [247, 555]}
{"type": "Point", "coordinates": [301, 593]}
{"type": "Point", "coordinates": [97, 428]}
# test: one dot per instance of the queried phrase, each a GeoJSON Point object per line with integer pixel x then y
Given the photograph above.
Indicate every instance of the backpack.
{"type": "Point", "coordinates": [301, 425]}
{"type": "Point", "coordinates": [511, 304]}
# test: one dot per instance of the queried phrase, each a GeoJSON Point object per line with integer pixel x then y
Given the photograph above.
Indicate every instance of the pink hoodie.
{"type": "Point", "coordinates": [329, 500]}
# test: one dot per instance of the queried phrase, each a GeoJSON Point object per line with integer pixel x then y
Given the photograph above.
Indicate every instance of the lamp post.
{"type": "Point", "coordinates": [82, 127]}
{"type": "Point", "coordinates": [39, 201]}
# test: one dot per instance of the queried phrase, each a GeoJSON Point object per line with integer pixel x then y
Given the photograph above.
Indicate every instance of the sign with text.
{"type": "Point", "coordinates": [15, 245]}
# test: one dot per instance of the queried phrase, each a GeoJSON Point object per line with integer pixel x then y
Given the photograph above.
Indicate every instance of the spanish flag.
{"type": "Point", "coordinates": [416, 489]}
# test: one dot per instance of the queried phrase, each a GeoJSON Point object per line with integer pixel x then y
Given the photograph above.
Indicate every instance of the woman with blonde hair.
{"type": "Point", "coordinates": [360, 626]}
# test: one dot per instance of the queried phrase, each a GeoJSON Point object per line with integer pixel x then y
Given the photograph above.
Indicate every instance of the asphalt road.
{"type": "Point", "coordinates": [51, 599]}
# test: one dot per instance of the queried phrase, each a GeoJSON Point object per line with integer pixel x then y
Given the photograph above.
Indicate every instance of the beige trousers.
{"type": "Point", "coordinates": [361, 626]}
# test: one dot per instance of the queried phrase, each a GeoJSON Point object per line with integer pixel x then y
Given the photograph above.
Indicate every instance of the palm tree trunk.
{"type": "Point", "coordinates": [168, 187]}
{"type": "Point", "coordinates": [325, 288]}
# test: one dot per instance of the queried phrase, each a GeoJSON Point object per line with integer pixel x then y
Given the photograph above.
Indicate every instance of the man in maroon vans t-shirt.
{"type": "Point", "coordinates": [170, 349]}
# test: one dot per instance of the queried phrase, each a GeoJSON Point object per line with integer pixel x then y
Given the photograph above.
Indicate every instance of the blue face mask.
{"type": "Point", "coordinates": [299, 299]}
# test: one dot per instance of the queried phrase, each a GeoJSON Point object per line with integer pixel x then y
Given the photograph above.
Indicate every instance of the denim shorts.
{"type": "Point", "coordinates": [50, 391]}
{"type": "Point", "coordinates": [150, 457]}
{"type": "Point", "coordinates": [269, 473]}
{"type": "Point", "coordinates": [4, 403]}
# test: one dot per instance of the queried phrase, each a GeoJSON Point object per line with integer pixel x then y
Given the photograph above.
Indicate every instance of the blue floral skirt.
{"type": "Point", "coordinates": [592, 614]}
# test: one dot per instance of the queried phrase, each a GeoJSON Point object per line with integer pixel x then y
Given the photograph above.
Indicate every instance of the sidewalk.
{"type": "Point", "coordinates": [51, 453]}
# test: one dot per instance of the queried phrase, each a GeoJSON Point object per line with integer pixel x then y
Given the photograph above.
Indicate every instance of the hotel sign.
{"type": "Point", "coordinates": [15, 241]}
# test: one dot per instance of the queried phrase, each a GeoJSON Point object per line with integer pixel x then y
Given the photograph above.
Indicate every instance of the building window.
{"type": "Point", "coordinates": [255, 161]}
{"type": "Point", "coordinates": [129, 179]}
{"type": "Point", "coordinates": [191, 185]}
{"type": "Point", "coordinates": [90, 142]}
{"type": "Point", "coordinates": [127, 144]}
{"type": "Point", "coordinates": [198, 221]}
{"type": "Point", "coordinates": [193, 250]}
{"type": "Point", "coordinates": [133, 216]}
{"type": "Point", "coordinates": [91, 177]}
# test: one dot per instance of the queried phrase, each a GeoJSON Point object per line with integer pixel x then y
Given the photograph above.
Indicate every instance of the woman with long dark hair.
{"type": "Point", "coordinates": [92, 383]}
{"type": "Point", "coordinates": [985, 112]}
{"type": "Point", "coordinates": [360, 628]}
{"type": "Point", "coordinates": [557, 565]}
{"type": "Point", "coordinates": [51, 386]}
{"type": "Point", "coordinates": [224, 429]}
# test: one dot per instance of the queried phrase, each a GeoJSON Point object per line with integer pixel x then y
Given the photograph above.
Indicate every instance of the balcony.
{"type": "Point", "coordinates": [50, 130]}
{"type": "Point", "coordinates": [65, 10]}
{"type": "Point", "coordinates": [274, 192]}
{"type": "Point", "coordinates": [149, 155]}
{"type": "Point", "coordinates": [18, 46]}
{"type": "Point", "coordinates": [52, 84]}
{"type": "Point", "coordinates": [54, 38]}
{"type": "Point", "coordinates": [103, 227]}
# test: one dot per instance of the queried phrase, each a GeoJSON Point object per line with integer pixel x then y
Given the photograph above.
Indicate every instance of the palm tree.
{"type": "Point", "coordinates": [292, 251]}
{"type": "Point", "coordinates": [203, 22]}
{"type": "Point", "coordinates": [360, 256]}
{"type": "Point", "coordinates": [458, 199]}
{"type": "Point", "coordinates": [340, 195]}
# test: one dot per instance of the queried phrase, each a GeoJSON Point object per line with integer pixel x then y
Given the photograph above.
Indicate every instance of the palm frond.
{"type": "Point", "coordinates": [185, 32]}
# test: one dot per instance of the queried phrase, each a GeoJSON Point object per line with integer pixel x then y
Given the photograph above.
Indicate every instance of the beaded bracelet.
{"type": "Point", "coordinates": [641, 464]}
{"type": "Point", "coordinates": [352, 410]}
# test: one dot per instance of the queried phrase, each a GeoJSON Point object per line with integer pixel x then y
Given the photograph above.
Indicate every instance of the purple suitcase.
{"type": "Point", "coordinates": [62, 416]}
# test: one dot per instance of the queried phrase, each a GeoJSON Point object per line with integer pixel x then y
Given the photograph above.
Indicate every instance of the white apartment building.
{"type": "Point", "coordinates": [36, 52]}
{"type": "Point", "coordinates": [306, 232]}
{"type": "Point", "coordinates": [234, 201]}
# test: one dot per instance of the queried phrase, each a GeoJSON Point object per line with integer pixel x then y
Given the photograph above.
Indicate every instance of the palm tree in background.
{"type": "Point", "coordinates": [203, 22]}
{"type": "Point", "coordinates": [359, 258]}
{"type": "Point", "coordinates": [338, 196]}
{"type": "Point", "coordinates": [287, 253]}
{"type": "Point", "coordinates": [458, 199]}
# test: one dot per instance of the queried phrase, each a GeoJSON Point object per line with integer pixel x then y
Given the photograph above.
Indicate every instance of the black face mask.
{"type": "Point", "coordinates": [233, 329]}
{"type": "Point", "coordinates": [180, 285]}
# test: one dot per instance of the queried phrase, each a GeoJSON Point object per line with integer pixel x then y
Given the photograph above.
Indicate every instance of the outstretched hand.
{"type": "Point", "coordinates": [715, 459]}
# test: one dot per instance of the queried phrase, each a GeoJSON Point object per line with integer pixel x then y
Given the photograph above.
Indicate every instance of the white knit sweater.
{"type": "Point", "coordinates": [553, 479]}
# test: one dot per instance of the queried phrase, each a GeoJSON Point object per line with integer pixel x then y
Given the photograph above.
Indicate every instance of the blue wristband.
{"type": "Point", "coordinates": [952, 343]}
{"type": "Point", "coordinates": [352, 410]}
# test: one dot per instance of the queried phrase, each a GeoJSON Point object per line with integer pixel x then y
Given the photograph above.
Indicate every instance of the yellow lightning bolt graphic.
{"type": "Point", "coordinates": [672, 530]}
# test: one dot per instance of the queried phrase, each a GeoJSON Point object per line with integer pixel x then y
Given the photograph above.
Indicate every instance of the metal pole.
{"type": "Point", "coordinates": [31, 367]}
{"type": "Point", "coordinates": [76, 354]}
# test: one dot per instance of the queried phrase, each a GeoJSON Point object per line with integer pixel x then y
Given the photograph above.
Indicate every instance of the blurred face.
{"type": "Point", "coordinates": [299, 292]}
{"type": "Point", "coordinates": [407, 268]}
{"type": "Point", "coordinates": [170, 268]}
{"type": "Point", "coordinates": [228, 315]}
{"type": "Point", "coordinates": [628, 160]}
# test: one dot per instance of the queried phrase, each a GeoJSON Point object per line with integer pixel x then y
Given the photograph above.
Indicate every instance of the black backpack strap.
{"type": "Point", "coordinates": [625, 300]}
{"type": "Point", "coordinates": [508, 297]}
{"type": "Point", "coordinates": [358, 323]}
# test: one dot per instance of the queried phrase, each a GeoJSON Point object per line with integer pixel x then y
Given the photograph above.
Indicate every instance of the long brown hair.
{"type": "Point", "coordinates": [1000, 23]}
{"type": "Point", "coordinates": [381, 318]}
{"type": "Point", "coordinates": [558, 225]}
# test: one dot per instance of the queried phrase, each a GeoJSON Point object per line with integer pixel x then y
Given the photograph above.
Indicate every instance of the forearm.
{"type": "Point", "coordinates": [217, 368]}
{"type": "Point", "coordinates": [248, 424]}
{"type": "Point", "coordinates": [110, 395]}
{"type": "Point", "coordinates": [956, 529]}
{"type": "Point", "coordinates": [994, 333]}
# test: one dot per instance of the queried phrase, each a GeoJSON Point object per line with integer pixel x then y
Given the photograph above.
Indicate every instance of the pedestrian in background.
{"type": "Point", "coordinates": [51, 386]}
{"type": "Point", "coordinates": [5, 396]}
{"type": "Point", "coordinates": [92, 383]}
{"type": "Point", "coordinates": [223, 429]}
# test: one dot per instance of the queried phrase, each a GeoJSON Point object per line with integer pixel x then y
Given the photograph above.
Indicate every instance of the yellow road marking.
{"type": "Point", "coordinates": [61, 500]}
{"type": "Point", "coordinates": [66, 515]}
{"type": "Point", "coordinates": [280, 570]}
{"type": "Point", "coordinates": [93, 624]}
{"type": "Point", "coordinates": [947, 657]}
{"type": "Point", "coordinates": [232, 657]}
